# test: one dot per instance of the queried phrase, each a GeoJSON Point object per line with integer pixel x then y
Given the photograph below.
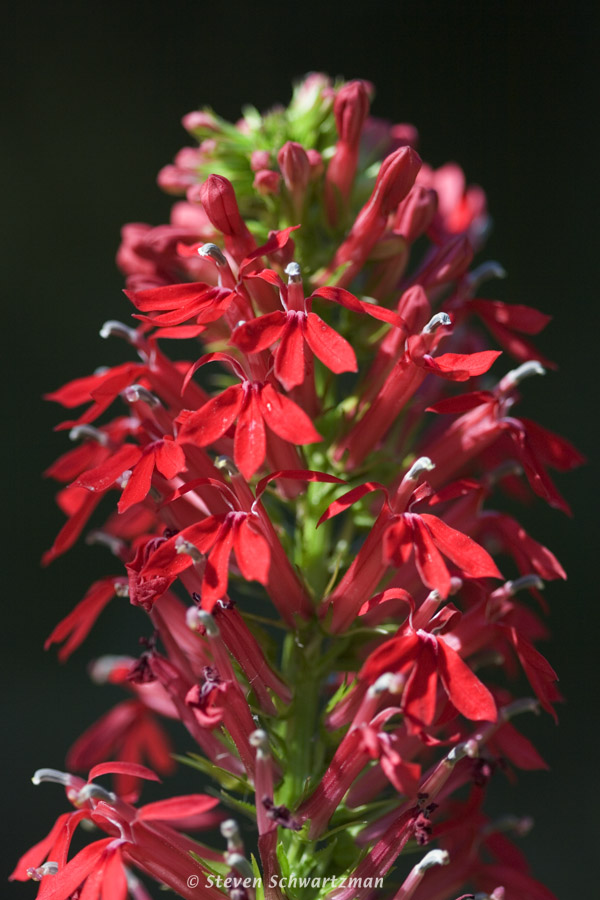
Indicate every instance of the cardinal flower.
{"type": "Point", "coordinates": [253, 405]}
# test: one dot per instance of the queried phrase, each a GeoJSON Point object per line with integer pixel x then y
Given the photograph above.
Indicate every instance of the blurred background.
{"type": "Point", "coordinates": [95, 94]}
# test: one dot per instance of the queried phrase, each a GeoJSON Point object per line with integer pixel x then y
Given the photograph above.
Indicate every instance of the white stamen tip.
{"type": "Point", "coordinates": [230, 828]}
{"type": "Point", "coordinates": [47, 868]}
{"type": "Point", "coordinates": [101, 669]}
{"type": "Point", "coordinates": [51, 775]}
{"type": "Point", "coordinates": [186, 547]}
{"type": "Point", "coordinates": [389, 682]}
{"type": "Point", "coordinates": [293, 271]}
{"type": "Point", "coordinates": [423, 464]}
{"type": "Point", "coordinates": [525, 582]}
{"type": "Point", "coordinates": [260, 740]}
{"type": "Point", "coordinates": [81, 432]}
{"type": "Point", "coordinates": [433, 858]}
{"type": "Point", "coordinates": [436, 322]}
{"type": "Point", "coordinates": [485, 272]}
{"type": "Point", "coordinates": [516, 376]}
{"type": "Point", "coordinates": [225, 464]}
{"type": "Point", "coordinates": [207, 621]}
{"type": "Point", "coordinates": [137, 392]}
{"type": "Point", "coordinates": [113, 328]}
{"type": "Point", "coordinates": [213, 252]}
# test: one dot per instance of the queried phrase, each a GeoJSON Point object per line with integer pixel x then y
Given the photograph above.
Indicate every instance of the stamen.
{"type": "Point", "coordinates": [239, 862]}
{"type": "Point", "coordinates": [485, 272]}
{"type": "Point", "coordinates": [433, 858]}
{"type": "Point", "coordinates": [101, 669]}
{"type": "Point", "coordinates": [294, 273]}
{"type": "Point", "coordinates": [114, 544]}
{"type": "Point", "coordinates": [440, 319]}
{"type": "Point", "coordinates": [47, 868]}
{"type": "Point", "coordinates": [182, 546]}
{"type": "Point", "coordinates": [231, 832]}
{"type": "Point", "coordinates": [213, 252]}
{"type": "Point", "coordinates": [423, 464]}
{"type": "Point", "coordinates": [208, 622]}
{"type": "Point", "coordinates": [225, 464]}
{"type": "Point", "coordinates": [260, 740]}
{"type": "Point", "coordinates": [523, 583]}
{"type": "Point", "coordinates": [114, 328]}
{"type": "Point", "coordinates": [52, 775]}
{"type": "Point", "coordinates": [138, 393]}
{"type": "Point", "coordinates": [516, 376]}
{"type": "Point", "coordinates": [388, 682]}
{"type": "Point", "coordinates": [96, 792]}
{"type": "Point", "coordinates": [80, 432]}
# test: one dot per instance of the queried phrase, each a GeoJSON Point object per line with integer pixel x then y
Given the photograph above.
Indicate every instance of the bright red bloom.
{"type": "Point", "coordinates": [254, 405]}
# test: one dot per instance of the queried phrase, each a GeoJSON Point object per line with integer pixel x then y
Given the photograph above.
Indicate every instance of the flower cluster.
{"type": "Point", "coordinates": [303, 514]}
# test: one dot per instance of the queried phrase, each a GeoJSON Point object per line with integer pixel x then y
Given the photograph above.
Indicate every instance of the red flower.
{"type": "Point", "coordinates": [253, 404]}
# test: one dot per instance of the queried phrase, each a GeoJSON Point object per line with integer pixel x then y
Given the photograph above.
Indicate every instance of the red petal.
{"type": "Point", "coordinates": [68, 879]}
{"type": "Point", "coordinates": [171, 296]}
{"type": "Point", "coordinates": [540, 673]}
{"type": "Point", "coordinates": [419, 695]}
{"type": "Point", "coordinates": [216, 574]}
{"type": "Point", "coordinates": [252, 553]}
{"type": "Point", "coordinates": [276, 242]}
{"type": "Point", "coordinates": [513, 315]}
{"type": "Point", "coordinates": [462, 403]}
{"type": "Point", "coordinates": [81, 619]}
{"type": "Point", "coordinates": [252, 337]}
{"type": "Point", "coordinates": [286, 419]}
{"type": "Point", "coordinates": [105, 475]}
{"type": "Point", "coordinates": [398, 542]}
{"type": "Point", "coordinates": [430, 565]}
{"type": "Point", "coordinates": [170, 458]}
{"type": "Point", "coordinates": [177, 807]}
{"type": "Point", "coordinates": [290, 362]}
{"type": "Point", "coordinates": [518, 749]}
{"type": "Point", "coordinates": [390, 657]}
{"type": "Point", "coordinates": [249, 446]}
{"type": "Point", "coordinates": [212, 420]}
{"type": "Point", "coordinates": [461, 366]}
{"type": "Point", "coordinates": [213, 357]}
{"type": "Point", "coordinates": [139, 484]}
{"type": "Point", "coordinates": [122, 768]}
{"type": "Point", "coordinates": [464, 552]}
{"type": "Point", "coordinates": [467, 693]}
{"type": "Point", "coordinates": [552, 448]}
{"type": "Point", "coordinates": [349, 498]}
{"type": "Point", "coordinates": [114, 882]}
{"type": "Point", "coordinates": [71, 530]}
{"type": "Point", "coordinates": [296, 475]}
{"type": "Point", "coordinates": [328, 346]}
{"type": "Point", "coordinates": [36, 855]}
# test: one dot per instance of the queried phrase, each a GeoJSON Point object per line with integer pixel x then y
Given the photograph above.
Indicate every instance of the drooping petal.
{"type": "Point", "coordinates": [177, 807]}
{"type": "Point", "coordinates": [257, 335]}
{"type": "Point", "coordinates": [249, 446]}
{"type": "Point", "coordinates": [170, 458]}
{"type": "Point", "coordinates": [122, 768]}
{"type": "Point", "coordinates": [139, 483]}
{"type": "Point", "coordinates": [460, 366]}
{"type": "Point", "coordinates": [461, 549]}
{"type": "Point", "coordinates": [105, 475]}
{"type": "Point", "coordinates": [79, 622]}
{"type": "Point", "coordinates": [467, 693]}
{"type": "Point", "coordinates": [286, 418]}
{"type": "Point", "coordinates": [331, 348]}
{"type": "Point", "coordinates": [252, 552]}
{"type": "Point", "coordinates": [430, 565]}
{"type": "Point", "coordinates": [216, 574]}
{"type": "Point", "coordinates": [398, 542]}
{"type": "Point", "coordinates": [290, 362]}
{"type": "Point", "coordinates": [420, 692]}
{"type": "Point", "coordinates": [212, 420]}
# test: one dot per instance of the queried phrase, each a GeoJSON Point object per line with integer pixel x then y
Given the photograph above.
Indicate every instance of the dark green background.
{"type": "Point", "coordinates": [94, 99]}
